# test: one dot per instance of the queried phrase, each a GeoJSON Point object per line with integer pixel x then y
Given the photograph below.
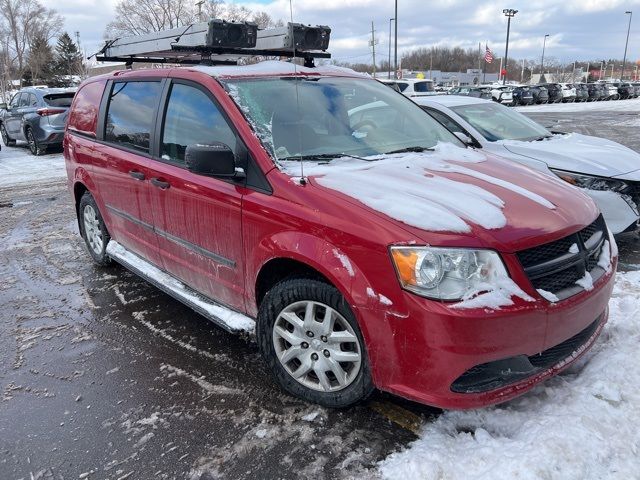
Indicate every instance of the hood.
{"type": "Point", "coordinates": [579, 153]}
{"type": "Point", "coordinates": [455, 197]}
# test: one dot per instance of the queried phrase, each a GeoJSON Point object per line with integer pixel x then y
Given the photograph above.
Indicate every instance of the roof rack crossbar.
{"type": "Point", "coordinates": [219, 42]}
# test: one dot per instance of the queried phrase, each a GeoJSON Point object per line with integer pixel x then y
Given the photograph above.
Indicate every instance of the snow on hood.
{"type": "Point", "coordinates": [575, 152]}
{"type": "Point", "coordinates": [413, 188]}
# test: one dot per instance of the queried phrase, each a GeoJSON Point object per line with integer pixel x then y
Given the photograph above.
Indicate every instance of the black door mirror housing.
{"type": "Point", "coordinates": [214, 159]}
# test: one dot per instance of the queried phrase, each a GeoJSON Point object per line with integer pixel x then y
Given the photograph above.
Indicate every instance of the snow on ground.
{"type": "Point", "coordinates": [632, 105]}
{"type": "Point", "coordinates": [582, 424]}
{"type": "Point", "coordinates": [18, 166]}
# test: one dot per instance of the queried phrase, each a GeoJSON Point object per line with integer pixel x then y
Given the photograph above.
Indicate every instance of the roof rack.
{"type": "Point", "coordinates": [218, 42]}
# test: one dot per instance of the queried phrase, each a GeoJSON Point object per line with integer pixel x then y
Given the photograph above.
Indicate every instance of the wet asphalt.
{"type": "Point", "coordinates": [103, 376]}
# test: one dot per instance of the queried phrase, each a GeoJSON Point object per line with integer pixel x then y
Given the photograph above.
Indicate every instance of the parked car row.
{"type": "Point", "coordinates": [512, 95]}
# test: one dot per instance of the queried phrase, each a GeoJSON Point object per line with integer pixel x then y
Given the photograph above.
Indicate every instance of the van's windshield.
{"type": "Point", "coordinates": [333, 116]}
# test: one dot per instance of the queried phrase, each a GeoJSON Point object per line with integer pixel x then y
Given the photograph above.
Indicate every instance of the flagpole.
{"type": "Point", "coordinates": [484, 70]}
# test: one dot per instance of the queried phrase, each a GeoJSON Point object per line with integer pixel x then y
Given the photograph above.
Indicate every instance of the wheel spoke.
{"type": "Point", "coordinates": [328, 322]}
{"type": "Point", "coordinates": [338, 371]}
{"type": "Point", "coordinates": [340, 356]}
{"type": "Point", "coordinates": [323, 379]}
{"type": "Point", "coordinates": [309, 315]}
{"type": "Point", "coordinates": [304, 368]}
{"type": "Point", "coordinates": [293, 319]}
{"type": "Point", "coordinates": [290, 354]}
{"type": "Point", "coordinates": [341, 337]}
{"type": "Point", "coordinates": [288, 336]}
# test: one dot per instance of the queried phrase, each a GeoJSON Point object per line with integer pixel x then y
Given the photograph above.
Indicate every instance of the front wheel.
{"type": "Point", "coordinates": [93, 230]}
{"type": "Point", "coordinates": [8, 141]}
{"type": "Point", "coordinates": [311, 341]}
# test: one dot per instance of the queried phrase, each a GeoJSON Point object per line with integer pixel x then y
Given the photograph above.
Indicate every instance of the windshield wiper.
{"type": "Point", "coordinates": [543, 137]}
{"type": "Point", "coordinates": [411, 149]}
{"type": "Point", "coordinates": [322, 156]}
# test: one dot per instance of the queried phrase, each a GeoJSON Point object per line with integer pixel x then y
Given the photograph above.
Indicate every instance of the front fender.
{"type": "Point", "coordinates": [328, 259]}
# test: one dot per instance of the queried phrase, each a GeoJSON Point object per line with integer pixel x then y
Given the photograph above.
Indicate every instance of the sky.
{"type": "Point", "coordinates": [578, 29]}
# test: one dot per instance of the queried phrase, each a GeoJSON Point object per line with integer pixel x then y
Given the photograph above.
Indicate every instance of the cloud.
{"type": "Point", "coordinates": [579, 29]}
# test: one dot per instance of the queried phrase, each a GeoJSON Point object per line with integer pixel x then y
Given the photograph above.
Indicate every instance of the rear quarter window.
{"type": "Point", "coordinates": [83, 117]}
{"type": "Point", "coordinates": [130, 114]}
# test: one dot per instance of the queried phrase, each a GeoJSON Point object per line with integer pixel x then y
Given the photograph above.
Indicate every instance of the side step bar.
{"type": "Point", "coordinates": [222, 316]}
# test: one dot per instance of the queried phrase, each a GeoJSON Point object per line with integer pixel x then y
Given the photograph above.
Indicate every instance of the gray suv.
{"type": "Point", "coordinates": [36, 115]}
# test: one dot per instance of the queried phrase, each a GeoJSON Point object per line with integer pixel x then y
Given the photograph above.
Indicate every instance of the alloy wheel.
{"type": "Point", "coordinates": [317, 346]}
{"type": "Point", "coordinates": [32, 142]}
{"type": "Point", "coordinates": [92, 230]}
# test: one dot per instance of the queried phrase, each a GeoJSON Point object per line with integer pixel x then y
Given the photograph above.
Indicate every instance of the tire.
{"type": "Point", "coordinates": [290, 299]}
{"type": "Point", "coordinates": [6, 139]}
{"type": "Point", "coordinates": [93, 230]}
{"type": "Point", "coordinates": [35, 148]}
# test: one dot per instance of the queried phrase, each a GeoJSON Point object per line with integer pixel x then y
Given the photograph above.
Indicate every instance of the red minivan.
{"type": "Point", "coordinates": [367, 247]}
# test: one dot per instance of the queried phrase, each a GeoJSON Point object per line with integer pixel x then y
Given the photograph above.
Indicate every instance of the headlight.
{"type": "Point", "coordinates": [447, 273]}
{"type": "Point", "coordinates": [592, 183]}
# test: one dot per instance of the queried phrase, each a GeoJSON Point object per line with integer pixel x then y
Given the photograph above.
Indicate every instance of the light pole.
{"type": "Point", "coordinates": [509, 13]}
{"type": "Point", "coordinates": [389, 74]}
{"type": "Point", "coordinates": [199, 5]}
{"type": "Point", "coordinates": [624, 61]}
{"type": "Point", "coordinates": [544, 44]}
{"type": "Point", "coordinates": [395, 42]}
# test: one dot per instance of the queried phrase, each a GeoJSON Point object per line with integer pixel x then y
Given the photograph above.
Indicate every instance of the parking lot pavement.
{"type": "Point", "coordinates": [104, 376]}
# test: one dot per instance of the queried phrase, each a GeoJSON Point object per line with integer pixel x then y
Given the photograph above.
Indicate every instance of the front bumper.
{"type": "Point", "coordinates": [618, 214]}
{"type": "Point", "coordinates": [427, 350]}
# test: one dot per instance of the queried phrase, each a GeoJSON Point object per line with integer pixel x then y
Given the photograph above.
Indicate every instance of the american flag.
{"type": "Point", "coordinates": [488, 55]}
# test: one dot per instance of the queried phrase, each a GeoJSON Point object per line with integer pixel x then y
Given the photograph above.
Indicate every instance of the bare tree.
{"type": "Point", "coordinates": [21, 23]}
{"type": "Point", "coordinates": [136, 17]}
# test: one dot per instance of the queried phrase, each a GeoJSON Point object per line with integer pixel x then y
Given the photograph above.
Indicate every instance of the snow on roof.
{"type": "Point", "coordinates": [274, 68]}
{"type": "Point", "coordinates": [449, 100]}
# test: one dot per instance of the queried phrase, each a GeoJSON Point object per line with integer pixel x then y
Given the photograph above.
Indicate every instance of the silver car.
{"type": "Point", "coordinates": [37, 116]}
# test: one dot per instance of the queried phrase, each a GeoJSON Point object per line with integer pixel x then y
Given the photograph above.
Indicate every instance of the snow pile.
{"type": "Point", "coordinates": [586, 282]}
{"type": "Point", "coordinates": [417, 195]}
{"type": "Point", "coordinates": [552, 297]}
{"type": "Point", "coordinates": [19, 167]}
{"type": "Point", "coordinates": [495, 295]}
{"type": "Point", "coordinates": [611, 106]}
{"type": "Point", "coordinates": [583, 424]}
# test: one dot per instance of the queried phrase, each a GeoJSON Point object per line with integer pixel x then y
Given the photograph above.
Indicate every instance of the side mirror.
{"type": "Point", "coordinates": [212, 160]}
{"type": "Point", "coordinates": [464, 138]}
{"type": "Point", "coordinates": [4, 106]}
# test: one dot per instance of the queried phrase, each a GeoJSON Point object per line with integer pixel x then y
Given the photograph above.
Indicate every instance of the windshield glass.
{"type": "Point", "coordinates": [496, 122]}
{"type": "Point", "coordinates": [333, 116]}
{"type": "Point", "coordinates": [423, 86]}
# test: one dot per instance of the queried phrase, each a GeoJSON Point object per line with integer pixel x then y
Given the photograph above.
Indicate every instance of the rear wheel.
{"type": "Point", "coordinates": [8, 141]}
{"type": "Point", "coordinates": [93, 230]}
{"type": "Point", "coordinates": [311, 341]}
{"type": "Point", "coordinates": [34, 146]}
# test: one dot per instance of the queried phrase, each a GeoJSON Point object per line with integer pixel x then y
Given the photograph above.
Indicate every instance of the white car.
{"type": "Point", "coordinates": [612, 91]}
{"type": "Point", "coordinates": [501, 93]}
{"type": "Point", "coordinates": [568, 92]}
{"type": "Point", "coordinates": [607, 171]}
{"type": "Point", "coordinates": [413, 87]}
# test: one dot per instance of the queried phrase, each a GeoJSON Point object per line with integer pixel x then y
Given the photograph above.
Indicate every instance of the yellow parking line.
{"type": "Point", "coordinates": [398, 415]}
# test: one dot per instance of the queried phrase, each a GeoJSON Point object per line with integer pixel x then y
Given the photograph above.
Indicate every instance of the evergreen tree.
{"type": "Point", "coordinates": [68, 61]}
{"type": "Point", "coordinates": [40, 62]}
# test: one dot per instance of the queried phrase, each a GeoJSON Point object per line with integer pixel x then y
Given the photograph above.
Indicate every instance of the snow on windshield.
{"type": "Point", "coordinates": [407, 187]}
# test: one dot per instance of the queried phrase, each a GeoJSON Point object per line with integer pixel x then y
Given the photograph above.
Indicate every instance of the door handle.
{"type": "Point", "coordinates": [156, 182]}
{"type": "Point", "coordinates": [137, 175]}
